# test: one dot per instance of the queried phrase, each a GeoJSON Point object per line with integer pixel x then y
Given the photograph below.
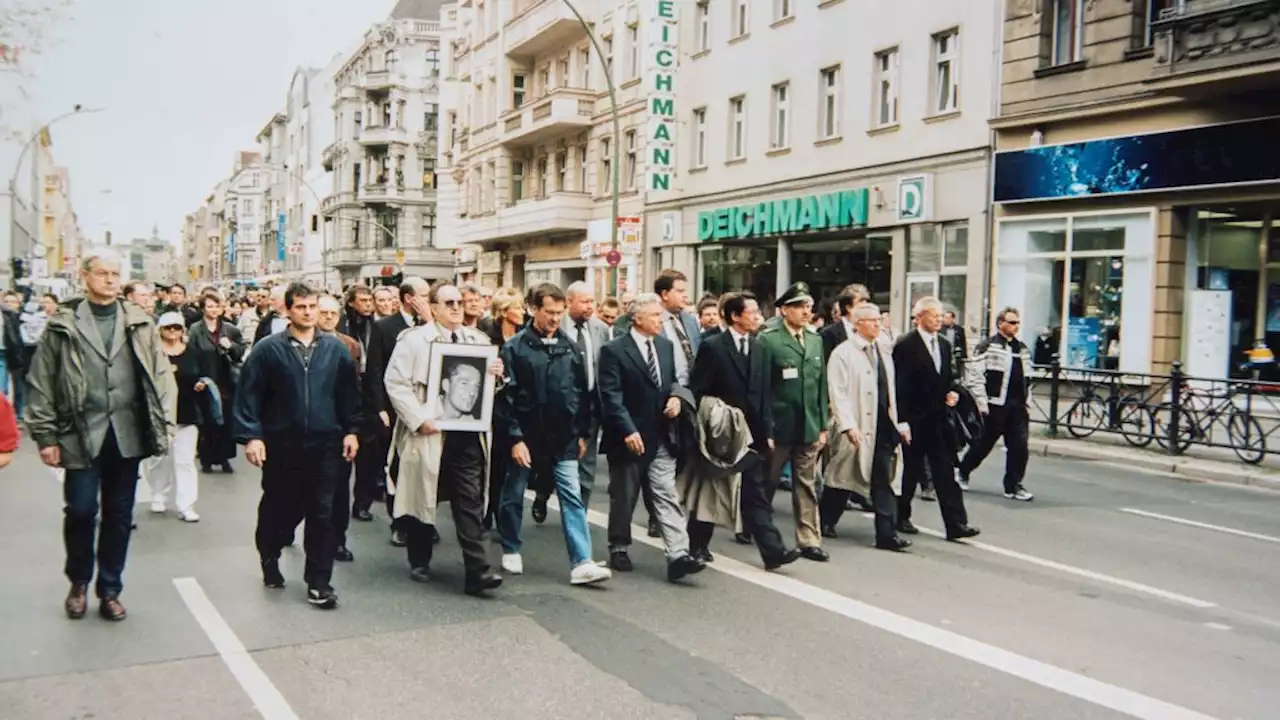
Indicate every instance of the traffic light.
{"type": "Point", "coordinates": [19, 267]}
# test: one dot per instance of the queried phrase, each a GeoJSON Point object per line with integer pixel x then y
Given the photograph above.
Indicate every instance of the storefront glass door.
{"type": "Point", "coordinates": [734, 268]}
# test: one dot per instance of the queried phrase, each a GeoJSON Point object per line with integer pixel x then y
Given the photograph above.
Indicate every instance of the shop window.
{"type": "Point", "coordinates": [1067, 276]}
{"type": "Point", "coordinates": [735, 268]}
{"type": "Point", "coordinates": [938, 264]}
{"type": "Point", "coordinates": [829, 265]}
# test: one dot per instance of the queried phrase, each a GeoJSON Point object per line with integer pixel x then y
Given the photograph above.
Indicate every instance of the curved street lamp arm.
{"type": "Point", "coordinates": [17, 168]}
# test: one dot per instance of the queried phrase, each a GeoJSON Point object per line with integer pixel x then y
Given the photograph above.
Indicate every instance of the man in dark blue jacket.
{"type": "Point", "coordinates": [545, 407]}
{"type": "Point", "coordinates": [299, 399]}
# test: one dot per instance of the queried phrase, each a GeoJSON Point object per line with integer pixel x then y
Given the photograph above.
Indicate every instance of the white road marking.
{"type": "Point", "coordinates": [1082, 572]}
{"type": "Point", "coordinates": [1217, 626]}
{"type": "Point", "coordinates": [1079, 686]}
{"type": "Point", "coordinates": [270, 704]}
{"type": "Point", "coordinates": [1201, 525]}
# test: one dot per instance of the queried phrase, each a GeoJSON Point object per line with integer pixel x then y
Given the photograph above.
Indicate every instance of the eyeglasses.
{"type": "Point", "coordinates": [1012, 322]}
{"type": "Point", "coordinates": [451, 303]}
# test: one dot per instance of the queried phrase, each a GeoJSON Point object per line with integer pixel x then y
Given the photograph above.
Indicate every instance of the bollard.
{"type": "Point", "coordinates": [1175, 409]}
{"type": "Point", "coordinates": [1055, 369]}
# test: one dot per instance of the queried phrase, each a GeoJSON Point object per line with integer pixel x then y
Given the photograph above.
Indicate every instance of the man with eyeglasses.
{"type": "Point", "coordinates": [1005, 360]}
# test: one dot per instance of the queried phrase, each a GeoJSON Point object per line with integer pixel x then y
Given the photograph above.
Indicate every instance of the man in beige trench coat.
{"type": "Point", "coordinates": [867, 436]}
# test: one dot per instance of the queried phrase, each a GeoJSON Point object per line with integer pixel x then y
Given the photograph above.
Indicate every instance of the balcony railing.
{"type": "Point", "coordinates": [1206, 38]}
{"type": "Point", "coordinates": [383, 135]}
{"type": "Point", "coordinates": [563, 110]}
{"type": "Point", "coordinates": [558, 212]}
{"type": "Point", "coordinates": [331, 203]}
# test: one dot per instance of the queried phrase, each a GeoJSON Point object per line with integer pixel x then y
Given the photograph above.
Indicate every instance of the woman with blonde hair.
{"type": "Point", "coordinates": [508, 314]}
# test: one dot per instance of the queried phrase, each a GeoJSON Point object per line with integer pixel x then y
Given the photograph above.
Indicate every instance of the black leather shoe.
{"type": "Point", "coordinates": [905, 527]}
{"type": "Point", "coordinates": [655, 530]}
{"type": "Point", "coordinates": [539, 510]}
{"type": "Point", "coordinates": [962, 532]}
{"type": "Point", "coordinates": [703, 555]}
{"type": "Point", "coordinates": [683, 566]}
{"type": "Point", "coordinates": [398, 538]}
{"type": "Point", "coordinates": [619, 560]}
{"type": "Point", "coordinates": [786, 558]}
{"type": "Point", "coordinates": [420, 575]}
{"type": "Point", "coordinates": [829, 532]}
{"type": "Point", "coordinates": [742, 538]}
{"type": "Point", "coordinates": [815, 554]}
{"type": "Point", "coordinates": [77, 602]}
{"type": "Point", "coordinates": [111, 609]}
{"type": "Point", "coordinates": [343, 554]}
{"type": "Point", "coordinates": [271, 575]}
{"type": "Point", "coordinates": [435, 536]}
{"type": "Point", "coordinates": [478, 584]}
{"type": "Point", "coordinates": [895, 544]}
{"type": "Point", "coordinates": [226, 468]}
{"type": "Point", "coordinates": [362, 514]}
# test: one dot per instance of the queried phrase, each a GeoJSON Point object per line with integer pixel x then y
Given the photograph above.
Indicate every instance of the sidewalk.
{"type": "Point", "coordinates": [1101, 447]}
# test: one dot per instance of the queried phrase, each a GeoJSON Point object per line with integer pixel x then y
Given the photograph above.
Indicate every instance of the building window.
{"type": "Point", "coordinates": [429, 173]}
{"type": "Point", "coordinates": [887, 87]}
{"type": "Point", "coordinates": [544, 177]}
{"type": "Point", "coordinates": [431, 117]}
{"type": "Point", "coordinates": [608, 57]}
{"type": "Point", "coordinates": [562, 169]}
{"type": "Point", "coordinates": [584, 66]}
{"type": "Point", "coordinates": [700, 138]}
{"type": "Point", "coordinates": [704, 27]}
{"type": "Point", "coordinates": [246, 209]}
{"type": "Point", "coordinates": [544, 80]}
{"type": "Point", "coordinates": [433, 62]}
{"type": "Point", "coordinates": [781, 9]}
{"type": "Point", "coordinates": [946, 73]}
{"type": "Point", "coordinates": [829, 113]}
{"type": "Point", "coordinates": [780, 118]}
{"type": "Point", "coordinates": [387, 220]}
{"type": "Point", "coordinates": [389, 60]}
{"type": "Point", "coordinates": [633, 51]}
{"type": "Point", "coordinates": [1152, 10]}
{"type": "Point", "coordinates": [582, 169]}
{"type": "Point", "coordinates": [517, 90]}
{"type": "Point", "coordinates": [938, 263]}
{"type": "Point", "coordinates": [738, 128]}
{"type": "Point", "coordinates": [517, 181]}
{"type": "Point", "coordinates": [562, 71]}
{"type": "Point", "coordinates": [741, 17]}
{"type": "Point", "coordinates": [1067, 31]}
{"type": "Point", "coordinates": [491, 187]}
{"type": "Point", "coordinates": [429, 226]}
{"type": "Point", "coordinates": [605, 181]}
{"type": "Point", "coordinates": [631, 159]}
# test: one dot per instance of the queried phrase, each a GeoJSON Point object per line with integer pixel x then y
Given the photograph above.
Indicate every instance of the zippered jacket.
{"type": "Point", "coordinates": [280, 400]}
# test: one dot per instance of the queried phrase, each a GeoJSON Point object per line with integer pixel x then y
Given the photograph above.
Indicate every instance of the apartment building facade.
{"type": "Point", "coordinates": [1137, 183]}
{"type": "Point", "coordinates": [528, 142]}
{"type": "Point", "coordinates": [831, 157]}
{"type": "Point", "coordinates": [239, 210]}
{"type": "Point", "coordinates": [61, 238]}
{"type": "Point", "coordinates": [382, 208]}
{"type": "Point", "coordinates": [152, 259]}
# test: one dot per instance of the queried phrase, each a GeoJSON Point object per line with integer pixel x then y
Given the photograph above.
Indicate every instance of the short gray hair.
{"type": "Point", "coordinates": [642, 300]}
{"type": "Point", "coordinates": [278, 291]}
{"type": "Point", "coordinates": [865, 311]}
{"type": "Point", "coordinates": [329, 302]}
{"type": "Point", "coordinates": [925, 304]}
{"type": "Point", "coordinates": [579, 287]}
{"type": "Point", "coordinates": [469, 288]}
{"type": "Point", "coordinates": [104, 254]}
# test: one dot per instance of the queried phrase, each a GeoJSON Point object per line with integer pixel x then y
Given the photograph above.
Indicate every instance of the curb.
{"type": "Point", "coordinates": [1192, 469]}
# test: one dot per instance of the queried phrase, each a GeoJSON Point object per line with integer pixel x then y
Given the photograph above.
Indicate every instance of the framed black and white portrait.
{"type": "Point", "coordinates": [460, 386]}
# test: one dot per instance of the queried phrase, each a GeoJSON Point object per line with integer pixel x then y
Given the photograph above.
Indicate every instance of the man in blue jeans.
{"type": "Point", "coordinates": [100, 397]}
{"type": "Point", "coordinates": [545, 409]}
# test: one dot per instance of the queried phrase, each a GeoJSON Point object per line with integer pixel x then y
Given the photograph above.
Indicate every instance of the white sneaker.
{"type": "Point", "coordinates": [189, 516]}
{"type": "Point", "coordinates": [589, 573]}
{"type": "Point", "coordinates": [513, 564]}
{"type": "Point", "coordinates": [1021, 494]}
{"type": "Point", "coordinates": [157, 508]}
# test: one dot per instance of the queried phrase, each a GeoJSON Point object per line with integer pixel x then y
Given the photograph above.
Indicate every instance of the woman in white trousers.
{"type": "Point", "coordinates": [173, 478]}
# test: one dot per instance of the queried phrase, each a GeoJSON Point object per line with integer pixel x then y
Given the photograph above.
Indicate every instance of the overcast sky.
{"type": "Point", "coordinates": [185, 85]}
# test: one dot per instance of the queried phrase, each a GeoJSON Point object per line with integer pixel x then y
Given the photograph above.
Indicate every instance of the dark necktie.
{"type": "Point", "coordinates": [684, 339]}
{"type": "Point", "coordinates": [454, 337]}
{"type": "Point", "coordinates": [653, 366]}
{"type": "Point", "coordinates": [742, 346]}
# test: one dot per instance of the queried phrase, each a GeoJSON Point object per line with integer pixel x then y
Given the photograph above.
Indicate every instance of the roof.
{"type": "Point", "coordinates": [418, 9]}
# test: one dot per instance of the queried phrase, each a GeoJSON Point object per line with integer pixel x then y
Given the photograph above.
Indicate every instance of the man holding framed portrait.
{"type": "Point", "coordinates": [441, 382]}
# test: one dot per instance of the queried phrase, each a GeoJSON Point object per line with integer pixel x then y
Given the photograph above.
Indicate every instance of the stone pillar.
{"type": "Point", "coordinates": [1170, 279]}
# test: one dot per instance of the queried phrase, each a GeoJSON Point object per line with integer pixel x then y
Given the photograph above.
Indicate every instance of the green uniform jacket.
{"type": "Point", "coordinates": [799, 378]}
{"type": "Point", "coordinates": [57, 387]}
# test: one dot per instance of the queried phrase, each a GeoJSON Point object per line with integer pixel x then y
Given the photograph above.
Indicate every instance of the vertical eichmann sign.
{"type": "Point", "coordinates": [660, 141]}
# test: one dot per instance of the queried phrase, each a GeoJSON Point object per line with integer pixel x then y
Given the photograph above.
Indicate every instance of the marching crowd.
{"type": "Point", "coordinates": [702, 412]}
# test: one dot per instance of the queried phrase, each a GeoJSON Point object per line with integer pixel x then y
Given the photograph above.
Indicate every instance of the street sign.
{"type": "Point", "coordinates": [400, 257]}
{"type": "Point", "coordinates": [613, 258]}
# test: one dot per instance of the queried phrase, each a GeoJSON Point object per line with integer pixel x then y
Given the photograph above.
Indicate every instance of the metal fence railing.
{"type": "Point", "coordinates": [1176, 411]}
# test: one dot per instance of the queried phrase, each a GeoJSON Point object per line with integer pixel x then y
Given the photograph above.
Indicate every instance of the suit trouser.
{"type": "Point", "coordinates": [757, 516]}
{"type": "Point", "coordinates": [804, 492]}
{"type": "Point", "coordinates": [371, 469]}
{"type": "Point", "coordinates": [626, 476]}
{"type": "Point", "coordinates": [300, 483]}
{"type": "Point", "coordinates": [884, 502]}
{"type": "Point", "coordinates": [1013, 424]}
{"type": "Point", "coordinates": [342, 506]}
{"type": "Point", "coordinates": [462, 483]}
{"type": "Point", "coordinates": [936, 462]}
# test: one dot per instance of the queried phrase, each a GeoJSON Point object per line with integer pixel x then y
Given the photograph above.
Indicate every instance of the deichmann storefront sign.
{"type": "Point", "coordinates": [660, 137]}
{"type": "Point", "coordinates": [827, 211]}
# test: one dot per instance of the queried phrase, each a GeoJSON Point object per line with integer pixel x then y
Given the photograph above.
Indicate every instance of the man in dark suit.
{"type": "Point", "coordinates": [926, 385]}
{"type": "Point", "coordinates": [954, 334]}
{"type": "Point", "coordinates": [637, 372]}
{"type": "Point", "coordinates": [842, 329]}
{"type": "Point", "coordinates": [730, 366]}
{"type": "Point", "coordinates": [415, 309]}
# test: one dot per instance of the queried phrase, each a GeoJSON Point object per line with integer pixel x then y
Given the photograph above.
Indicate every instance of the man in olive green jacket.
{"type": "Point", "coordinates": [101, 397]}
{"type": "Point", "coordinates": [794, 359]}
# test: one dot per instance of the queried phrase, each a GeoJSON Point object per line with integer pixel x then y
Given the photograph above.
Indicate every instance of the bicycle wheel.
{"type": "Point", "coordinates": [1086, 416]}
{"type": "Point", "coordinates": [1136, 422]}
{"type": "Point", "coordinates": [1245, 434]}
{"type": "Point", "coordinates": [1161, 416]}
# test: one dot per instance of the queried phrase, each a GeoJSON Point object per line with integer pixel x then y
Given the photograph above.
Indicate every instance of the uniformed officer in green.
{"type": "Point", "coordinates": [793, 356]}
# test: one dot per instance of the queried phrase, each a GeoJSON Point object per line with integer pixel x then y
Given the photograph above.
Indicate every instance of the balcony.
{"type": "Point", "coordinates": [559, 213]}
{"type": "Point", "coordinates": [335, 201]}
{"type": "Point", "coordinates": [329, 156]}
{"type": "Point", "coordinates": [1234, 44]}
{"type": "Point", "coordinates": [380, 193]}
{"type": "Point", "coordinates": [356, 256]}
{"type": "Point", "coordinates": [377, 81]}
{"type": "Point", "coordinates": [383, 135]}
{"type": "Point", "coordinates": [562, 111]}
{"type": "Point", "coordinates": [547, 25]}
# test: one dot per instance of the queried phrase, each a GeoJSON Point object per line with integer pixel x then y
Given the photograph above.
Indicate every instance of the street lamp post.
{"type": "Point", "coordinates": [17, 169]}
{"type": "Point", "coordinates": [617, 140]}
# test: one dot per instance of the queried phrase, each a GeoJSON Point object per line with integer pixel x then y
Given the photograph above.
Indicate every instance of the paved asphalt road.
{"type": "Point", "coordinates": [1071, 607]}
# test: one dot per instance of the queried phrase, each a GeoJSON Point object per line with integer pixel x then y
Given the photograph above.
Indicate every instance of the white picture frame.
{"type": "Point", "coordinates": [450, 380]}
